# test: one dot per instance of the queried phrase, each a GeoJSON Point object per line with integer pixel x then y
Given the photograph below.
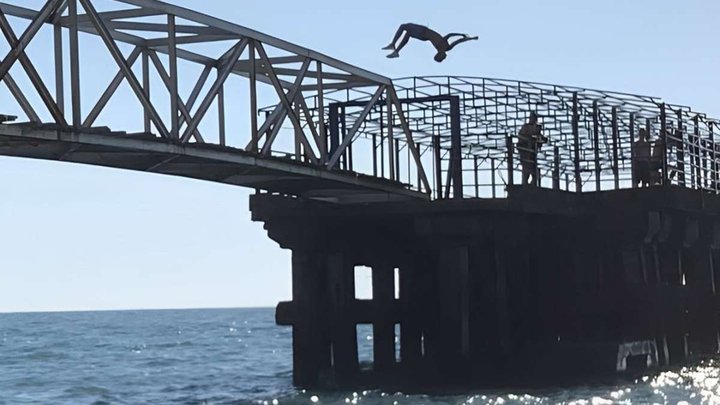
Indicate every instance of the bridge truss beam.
{"type": "Point", "coordinates": [164, 39]}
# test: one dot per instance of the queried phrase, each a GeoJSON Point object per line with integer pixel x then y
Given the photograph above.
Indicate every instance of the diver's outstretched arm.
{"type": "Point", "coordinates": [461, 40]}
{"type": "Point", "coordinates": [455, 34]}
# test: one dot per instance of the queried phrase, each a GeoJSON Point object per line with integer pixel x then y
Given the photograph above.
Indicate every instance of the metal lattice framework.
{"type": "Point", "coordinates": [189, 60]}
{"type": "Point", "coordinates": [591, 135]}
{"type": "Point", "coordinates": [333, 131]}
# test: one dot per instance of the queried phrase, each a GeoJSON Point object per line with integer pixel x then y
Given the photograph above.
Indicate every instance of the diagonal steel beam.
{"type": "Point", "coordinates": [286, 103]}
{"type": "Point", "coordinates": [184, 108]}
{"type": "Point", "coordinates": [195, 93]}
{"type": "Point", "coordinates": [32, 73]}
{"type": "Point", "coordinates": [60, 10]}
{"type": "Point", "coordinates": [27, 36]}
{"type": "Point", "coordinates": [212, 93]}
{"type": "Point", "coordinates": [160, 45]}
{"type": "Point", "coordinates": [226, 26]}
{"type": "Point", "coordinates": [21, 99]}
{"type": "Point", "coordinates": [309, 119]}
{"type": "Point", "coordinates": [273, 132]}
{"type": "Point", "coordinates": [122, 63]}
{"type": "Point", "coordinates": [358, 122]}
{"type": "Point", "coordinates": [110, 91]}
{"type": "Point", "coordinates": [409, 139]}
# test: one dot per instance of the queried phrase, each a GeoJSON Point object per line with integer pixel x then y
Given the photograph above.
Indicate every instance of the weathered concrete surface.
{"type": "Point", "coordinates": [541, 285]}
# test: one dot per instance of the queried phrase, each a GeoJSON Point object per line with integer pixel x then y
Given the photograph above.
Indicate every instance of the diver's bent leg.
{"type": "Point", "coordinates": [398, 33]}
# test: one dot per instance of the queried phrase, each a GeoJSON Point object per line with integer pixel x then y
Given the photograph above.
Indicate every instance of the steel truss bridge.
{"type": "Point", "coordinates": [149, 86]}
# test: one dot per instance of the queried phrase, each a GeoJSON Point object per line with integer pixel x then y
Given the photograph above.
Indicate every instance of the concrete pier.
{"type": "Point", "coordinates": [542, 285]}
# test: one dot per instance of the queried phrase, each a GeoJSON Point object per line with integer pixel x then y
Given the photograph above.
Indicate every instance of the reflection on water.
{"type": "Point", "coordinates": [239, 356]}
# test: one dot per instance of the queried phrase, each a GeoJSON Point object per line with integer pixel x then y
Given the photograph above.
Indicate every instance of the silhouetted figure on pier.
{"type": "Point", "coordinates": [441, 43]}
{"type": "Point", "coordinates": [530, 140]}
{"type": "Point", "coordinates": [655, 166]}
{"type": "Point", "coordinates": [642, 150]}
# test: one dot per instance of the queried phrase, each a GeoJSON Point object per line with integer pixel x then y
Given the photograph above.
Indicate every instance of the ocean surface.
{"type": "Point", "coordinates": [238, 356]}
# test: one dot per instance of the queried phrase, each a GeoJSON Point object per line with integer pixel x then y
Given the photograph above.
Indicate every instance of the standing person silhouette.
{"type": "Point", "coordinates": [423, 33]}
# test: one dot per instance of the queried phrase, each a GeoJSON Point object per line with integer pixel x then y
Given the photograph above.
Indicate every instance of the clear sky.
{"type": "Point", "coordinates": [80, 238]}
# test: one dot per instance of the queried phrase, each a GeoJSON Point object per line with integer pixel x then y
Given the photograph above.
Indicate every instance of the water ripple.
{"type": "Point", "coordinates": [240, 357]}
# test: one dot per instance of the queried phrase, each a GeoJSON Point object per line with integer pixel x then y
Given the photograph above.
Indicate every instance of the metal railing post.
{"type": "Point", "coordinates": [616, 146]}
{"type": "Point", "coordinates": [596, 144]}
{"type": "Point", "coordinates": [664, 139]}
{"type": "Point", "coordinates": [510, 164]}
{"type": "Point", "coordinates": [576, 142]}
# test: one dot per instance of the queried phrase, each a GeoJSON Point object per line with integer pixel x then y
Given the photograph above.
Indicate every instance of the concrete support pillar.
{"type": "Point", "coordinates": [342, 328]}
{"type": "Point", "coordinates": [413, 298]}
{"type": "Point", "coordinates": [311, 340]}
{"type": "Point", "coordinates": [701, 317]}
{"type": "Point", "coordinates": [454, 303]}
{"type": "Point", "coordinates": [383, 285]}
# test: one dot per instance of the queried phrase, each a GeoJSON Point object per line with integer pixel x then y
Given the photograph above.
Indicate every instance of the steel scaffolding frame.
{"type": "Point", "coordinates": [591, 135]}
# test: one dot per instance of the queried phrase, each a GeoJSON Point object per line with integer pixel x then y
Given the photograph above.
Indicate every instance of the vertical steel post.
{"type": "Point", "coordinates": [596, 144]}
{"type": "Point", "coordinates": [343, 134]}
{"type": "Point", "coordinates": [493, 180]}
{"type": "Point", "coordinates": [391, 144]}
{"type": "Point", "coordinates": [556, 169]}
{"type": "Point", "coordinates": [680, 149]}
{"type": "Point", "coordinates": [172, 53]}
{"type": "Point", "coordinates": [374, 154]}
{"type": "Point", "coordinates": [74, 64]}
{"type": "Point", "coordinates": [253, 98]}
{"type": "Point", "coordinates": [705, 156]}
{"type": "Point", "coordinates": [664, 139]}
{"type": "Point", "coordinates": [576, 141]}
{"type": "Point", "coordinates": [221, 115]}
{"type": "Point", "coordinates": [382, 143]}
{"type": "Point", "coordinates": [397, 160]}
{"type": "Point", "coordinates": [633, 152]}
{"type": "Point", "coordinates": [616, 146]}
{"type": "Point", "coordinates": [298, 135]}
{"type": "Point", "coordinates": [334, 122]}
{"type": "Point", "coordinates": [349, 155]}
{"type": "Point", "coordinates": [510, 164]}
{"type": "Point", "coordinates": [456, 147]}
{"type": "Point", "coordinates": [438, 165]}
{"type": "Point", "coordinates": [696, 151]}
{"type": "Point", "coordinates": [321, 115]}
{"type": "Point", "coordinates": [146, 89]}
{"type": "Point", "coordinates": [59, 74]}
{"type": "Point", "coordinates": [713, 155]}
{"type": "Point", "coordinates": [475, 174]}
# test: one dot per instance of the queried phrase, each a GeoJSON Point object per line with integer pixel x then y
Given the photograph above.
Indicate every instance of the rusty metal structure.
{"type": "Point", "coordinates": [607, 260]}
{"type": "Point", "coordinates": [591, 135]}
{"type": "Point", "coordinates": [188, 64]}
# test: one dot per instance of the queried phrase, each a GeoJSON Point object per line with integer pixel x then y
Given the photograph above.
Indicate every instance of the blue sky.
{"type": "Point", "coordinates": [81, 238]}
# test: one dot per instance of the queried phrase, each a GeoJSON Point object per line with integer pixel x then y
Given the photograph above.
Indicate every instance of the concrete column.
{"type": "Point", "coordinates": [311, 340]}
{"type": "Point", "coordinates": [412, 301]}
{"type": "Point", "coordinates": [454, 303]}
{"type": "Point", "coordinates": [383, 285]}
{"type": "Point", "coordinates": [701, 318]}
{"type": "Point", "coordinates": [342, 328]}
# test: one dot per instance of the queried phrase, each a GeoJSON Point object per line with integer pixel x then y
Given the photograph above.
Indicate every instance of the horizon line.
{"type": "Point", "coordinates": [65, 311]}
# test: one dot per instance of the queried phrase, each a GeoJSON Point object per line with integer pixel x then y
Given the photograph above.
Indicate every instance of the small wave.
{"type": "Point", "coordinates": [87, 390]}
{"type": "Point", "coordinates": [46, 355]}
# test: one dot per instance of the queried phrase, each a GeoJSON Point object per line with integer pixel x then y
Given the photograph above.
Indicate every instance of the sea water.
{"type": "Point", "coordinates": [239, 356]}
